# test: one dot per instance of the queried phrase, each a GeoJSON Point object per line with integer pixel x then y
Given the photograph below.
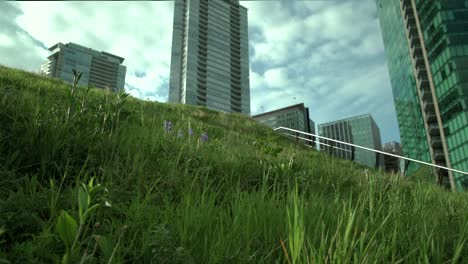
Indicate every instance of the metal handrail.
{"type": "Point", "coordinates": [308, 139]}
{"type": "Point", "coordinates": [369, 149]}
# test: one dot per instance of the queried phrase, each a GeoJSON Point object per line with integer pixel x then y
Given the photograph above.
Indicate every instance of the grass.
{"type": "Point", "coordinates": [247, 195]}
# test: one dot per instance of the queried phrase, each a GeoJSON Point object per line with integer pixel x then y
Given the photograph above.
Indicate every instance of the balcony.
{"type": "Point", "coordinates": [419, 62]}
{"type": "Point", "coordinates": [428, 106]}
{"type": "Point", "coordinates": [421, 73]}
{"type": "Point", "coordinates": [202, 53]}
{"type": "Point", "coordinates": [236, 104]}
{"type": "Point", "coordinates": [424, 84]}
{"type": "Point", "coordinates": [410, 20]}
{"type": "Point", "coordinates": [426, 95]}
{"type": "Point", "coordinates": [235, 92]}
{"type": "Point", "coordinates": [412, 30]}
{"type": "Point", "coordinates": [201, 89]}
{"type": "Point", "coordinates": [407, 10]}
{"type": "Point", "coordinates": [431, 118]}
{"type": "Point", "coordinates": [414, 39]}
{"type": "Point", "coordinates": [201, 97]}
{"type": "Point", "coordinates": [433, 130]}
{"type": "Point", "coordinates": [439, 155]}
{"type": "Point", "coordinates": [237, 72]}
{"type": "Point", "coordinates": [235, 88]}
{"type": "Point", "coordinates": [436, 142]}
{"type": "Point", "coordinates": [416, 50]}
{"type": "Point", "coordinates": [235, 80]}
{"type": "Point", "coordinates": [237, 97]}
{"type": "Point", "coordinates": [201, 84]}
{"type": "Point", "coordinates": [406, 2]}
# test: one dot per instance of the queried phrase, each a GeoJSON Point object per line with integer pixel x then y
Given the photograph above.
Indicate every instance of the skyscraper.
{"type": "Point", "coordinates": [359, 130]}
{"type": "Point", "coordinates": [100, 69]}
{"type": "Point", "coordinates": [392, 164]}
{"type": "Point", "coordinates": [294, 116]}
{"type": "Point", "coordinates": [426, 44]}
{"type": "Point", "coordinates": [210, 61]}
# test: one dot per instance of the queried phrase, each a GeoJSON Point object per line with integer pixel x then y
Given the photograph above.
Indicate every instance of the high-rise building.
{"type": "Point", "coordinates": [210, 60]}
{"type": "Point", "coordinates": [295, 116]}
{"type": "Point", "coordinates": [99, 69]}
{"type": "Point", "coordinates": [359, 130]}
{"type": "Point", "coordinates": [426, 44]}
{"type": "Point", "coordinates": [392, 164]}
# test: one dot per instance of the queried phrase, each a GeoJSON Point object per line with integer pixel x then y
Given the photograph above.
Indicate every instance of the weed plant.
{"type": "Point", "coordinates": [208, 188]}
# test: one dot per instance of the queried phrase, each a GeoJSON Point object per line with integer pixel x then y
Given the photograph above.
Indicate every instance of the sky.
{"type": "Point", "coordinates": [327, 54]}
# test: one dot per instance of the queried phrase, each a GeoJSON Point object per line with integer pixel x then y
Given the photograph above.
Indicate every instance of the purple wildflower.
{"type": "Point", "coordinates": [190, 132]}
{"type": "Point", "coordinates": [181, 134]}
{"type": "Point", "coordinates": [204, 137]}
{"type": "Point", "coordinates": [167, 125]}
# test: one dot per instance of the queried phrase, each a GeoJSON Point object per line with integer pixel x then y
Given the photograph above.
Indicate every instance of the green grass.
{"type": "Point", "coordinates": [248, 195]}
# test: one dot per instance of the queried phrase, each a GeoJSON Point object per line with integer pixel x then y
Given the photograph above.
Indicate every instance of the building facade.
{"type": "Point", "coordinates": [99, 69]}
{"type": "Point", "coordinates": [210, 60]}
{"type": "Point", "coordinates": [392, 164]}
{"type": "Point", "coordinates": [426, 45]}
{"type": "Point", "coordinates": [294, 116]}
{"type": "Point", "coordinates": [359, 130]}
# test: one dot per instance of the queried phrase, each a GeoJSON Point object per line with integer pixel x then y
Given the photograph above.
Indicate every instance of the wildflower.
{"type": "Point", "coordinates": [181, 134]}
{"type": "Point", "coordinates": [204, 137]}
{"type": "Point", "coordinates": [190, 132]}
{"type": "Point", "coordinates": [167, 125]}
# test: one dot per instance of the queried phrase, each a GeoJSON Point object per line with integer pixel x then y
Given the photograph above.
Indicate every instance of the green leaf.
{"type": "Point", "coordinates": [83, 202]}
{"type": "Point", "coordinates": [106, 246]}
{"type": "Point", "coordinates": [66, 228]}
{"type": "Point", "coordinates": [89, 211]}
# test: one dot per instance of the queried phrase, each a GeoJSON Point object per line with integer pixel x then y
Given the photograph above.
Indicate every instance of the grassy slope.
{"type": "Point", "coordinates": [229, 200]}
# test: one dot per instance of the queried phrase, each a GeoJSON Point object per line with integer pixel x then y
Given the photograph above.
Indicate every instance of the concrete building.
{"type": "Point", "coordinates": [359, 130]}
{"type": "Point", "coordinates": [392, 164]}
{"type": "Point", "coordinates": [426, 45]}
{"type": "Point", "coordinates": [100, 69]}
{"type": "Point", "coordinates": [210, 60]}
{"type": "Point", "coordinates": [294, 116]}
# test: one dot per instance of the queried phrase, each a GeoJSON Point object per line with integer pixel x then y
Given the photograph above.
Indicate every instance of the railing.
{"type": "Point", "coordinates": [361, 147]}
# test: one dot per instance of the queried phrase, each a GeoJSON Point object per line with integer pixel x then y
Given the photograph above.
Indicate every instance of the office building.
{"type": "Point", "coordinates": [99, 69]}
{"type": "Point", "coordinates": [294, 116]}
{"type": "Point", "coordinates": [359, 130]}
{"type": "Point", "coordinates": [392, 164]}
{"type": "Point", "coordinates": [426, 45]}
{"type": "Point", "coordinates": [210, 60]}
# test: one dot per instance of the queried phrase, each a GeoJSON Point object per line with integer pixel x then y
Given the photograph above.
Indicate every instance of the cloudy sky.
{"type": "Point", "coordinates": [327, 54]}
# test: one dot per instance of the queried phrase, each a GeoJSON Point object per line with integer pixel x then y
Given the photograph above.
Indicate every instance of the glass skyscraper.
{"type": "Point", "coordinates": [210, 60]}
{"type": "Point", "coordinates": [426, 44]}
{"type": "Point", "coordinates": [295, 116]}
{"type": "Point", "coordinates": [359, 130]}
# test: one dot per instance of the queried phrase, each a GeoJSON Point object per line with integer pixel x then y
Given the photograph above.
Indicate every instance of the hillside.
{"type": "Point", "coordinates": [98, 178]}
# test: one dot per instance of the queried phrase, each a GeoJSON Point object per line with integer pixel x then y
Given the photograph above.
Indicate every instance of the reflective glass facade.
{"type": "Point", "coordinates": [444, 28]}
{"type": "Point", "coordinates": [210, 61]}
{"type": "Point", "coordinates": [359, 130]}
{"type": "Point", "coordinates": [295, 117]}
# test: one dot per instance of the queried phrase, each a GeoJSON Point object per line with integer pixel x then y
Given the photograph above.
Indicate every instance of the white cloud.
{"type": "Point", "coordinates": [276, 78]}
{"type": "Point", "coordinates": [126, 29]}
{"type": "Point", "coordinates": [5, 40]}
